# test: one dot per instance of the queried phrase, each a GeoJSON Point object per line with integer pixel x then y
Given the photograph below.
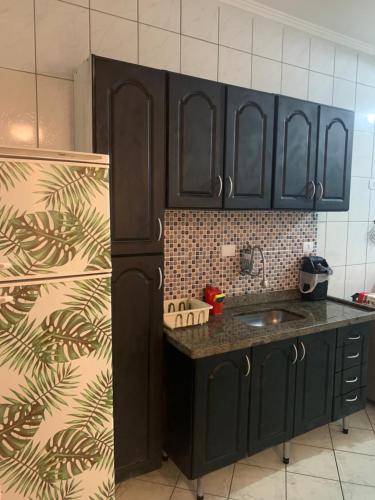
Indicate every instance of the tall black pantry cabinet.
{"type": "Point", "coordinates": [127, 112]}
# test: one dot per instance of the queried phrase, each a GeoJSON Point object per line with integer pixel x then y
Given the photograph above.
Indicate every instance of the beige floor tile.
{"type": "Point", "coordinates": [318, 437]}
{"type": "Point", "coordinates": [358, 492]}
{"type": "Point", "coordinates": [312, 488]}
{"type": "Point", "coordinates": [180, 494]}
{"type": "Point", "coordinates": [215, 483]}
{"type": "Point", "coordinates": [370, 409]}
{"type": "Point", "coordinates": [318, 462]}
{"type": "Point", "coordinates": [167, 474]}
{"type": "Point", "coordinates": [359, 420]}
{"type": "Point", "coordinates": [133, 489]}
{"type": "Point", "coordinates": [355, 468]}
{"type": "Point", "coordinates": [257, 483]}
{"type": "Point", "coordinates": [272, 458]}
{"type": "Point", "coordinates": [357, 441]}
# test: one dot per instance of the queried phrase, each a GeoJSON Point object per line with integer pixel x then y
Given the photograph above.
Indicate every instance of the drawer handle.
{"type": "Point", "coordinates": [351, 400]}
{"type": "Point", "coordinates": [355, 356]}
{"type": "Point", "coordinates": [296, 355]}
{"type": "Point", "coordinates": [351, 380]}
{"type": "Point", "coordinates": [354, 338]}
{"type": "Point", "coordinates": [248, 366]}
{"type": "Point", "coordinates": [303, 351]}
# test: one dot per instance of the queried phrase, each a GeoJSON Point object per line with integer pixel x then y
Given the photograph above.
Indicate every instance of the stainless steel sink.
{"type": "Point", "coordinates": [268, 318]}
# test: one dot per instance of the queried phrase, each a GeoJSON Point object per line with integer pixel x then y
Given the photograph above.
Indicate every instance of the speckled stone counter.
{"type": "Point", "coordinates": [227, 333]}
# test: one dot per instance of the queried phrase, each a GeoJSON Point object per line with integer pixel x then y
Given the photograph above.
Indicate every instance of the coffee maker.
{"type": "Point", "coordinates": [314, 278]}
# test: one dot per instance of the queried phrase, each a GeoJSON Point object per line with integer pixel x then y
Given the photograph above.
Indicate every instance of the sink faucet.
{"type": "Point", "coordinates": [247, 263]}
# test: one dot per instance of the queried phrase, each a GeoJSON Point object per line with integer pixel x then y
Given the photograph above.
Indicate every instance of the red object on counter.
{"type": "Point", "coordinates": [215, 297]}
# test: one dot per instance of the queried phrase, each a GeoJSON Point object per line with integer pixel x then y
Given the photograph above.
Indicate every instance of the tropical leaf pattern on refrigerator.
{"type": "Point", "coordinates": [56, 429]}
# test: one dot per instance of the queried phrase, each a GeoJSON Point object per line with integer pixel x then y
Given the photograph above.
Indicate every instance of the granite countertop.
{"type": "Point", "coordinates": [226, 333]}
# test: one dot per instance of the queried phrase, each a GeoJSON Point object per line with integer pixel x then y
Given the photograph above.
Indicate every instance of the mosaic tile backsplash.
{"type": "Point", "coordinates": [192, 249]}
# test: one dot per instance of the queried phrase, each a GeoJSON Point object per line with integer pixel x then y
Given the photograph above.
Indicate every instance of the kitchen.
{"type": "Point", "coordinates": [184, 210]}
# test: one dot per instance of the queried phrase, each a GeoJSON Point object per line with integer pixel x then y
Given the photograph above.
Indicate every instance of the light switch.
{"type": "Point", "coordinates": [228, 250]}
{"type": "Point", "coordinates": [308, 247]}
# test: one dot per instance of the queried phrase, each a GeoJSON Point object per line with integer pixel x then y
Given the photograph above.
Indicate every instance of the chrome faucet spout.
{"type": "Point", "coordinates": [264, 282]}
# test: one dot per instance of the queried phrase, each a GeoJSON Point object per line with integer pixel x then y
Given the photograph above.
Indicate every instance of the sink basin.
{"type": "Point", "coordinates": [268, 318]}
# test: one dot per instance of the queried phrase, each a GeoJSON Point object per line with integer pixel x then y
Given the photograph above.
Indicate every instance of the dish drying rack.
{"type": "Point", "coordinates": [185, 312]}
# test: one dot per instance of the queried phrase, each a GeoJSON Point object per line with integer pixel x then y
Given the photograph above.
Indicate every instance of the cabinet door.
{"type": "Point", "coordinates": [272, 394]}
{"type": "Point", "coordinates": [129, 124]}
{"type": "Point", "coordinates": [295, 158]}
{"type": "Point", "coordinates": [249, 143]}
{"type": "Point", "coordinates": [137, 351]}
{"type": "Point", "coordinates": [221, 410]}
{"type": "Point", "coordinates": [334, 158]}
{"type": "Point", "coordinates": [196, 117]}
{"type": "Point", "coordinates": [315, 379]}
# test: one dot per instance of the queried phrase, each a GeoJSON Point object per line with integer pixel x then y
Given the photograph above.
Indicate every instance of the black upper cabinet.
{"type": "Point", "coordinates": [129, 124]}
{"type": "Point", "coordinates": [272, 394]}
{"type": "Point", "coordinates": [137, 308]}
{"type": "Point", "coordinates": [334, 159]}
{"type": "Point", "coordinates": [295, 154]}
{"type": "Point", "coordinates": [315, 378]}
{"type": "Point", "coordinates": [195, 160]}
{"type": "Point", "coordinates": [249, 146]}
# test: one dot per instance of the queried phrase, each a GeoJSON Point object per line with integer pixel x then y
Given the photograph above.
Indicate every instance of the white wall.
{"type": "Point", "coordinates": [43, 41]}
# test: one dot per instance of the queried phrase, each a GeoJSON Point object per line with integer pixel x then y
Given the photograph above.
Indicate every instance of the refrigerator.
{"type": "Point", "coordinates": [56, 424]}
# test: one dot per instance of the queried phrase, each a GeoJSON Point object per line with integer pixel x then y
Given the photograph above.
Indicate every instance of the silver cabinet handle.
{"type": "Point", "coordinates": [354, 338]}
{"type": "Point", "coordinates": [321, 191]}
{"type": "Point", "coordinates": [355, 356]}
{"type": "Point", "coordinates": [248, 366]}
{"type": "Point", "coordinates": [314, 190]}
{"type": "Point", "coordinates": [6, 299]}
{"type": "Point", "coordinates": [296, 354]}
{"type": "Point", "coordinates": [351, 400]}
{"type": "Point", "coordinates": [221, 186]}
{"type": "Point", "coordinates": [230, 186]}
{"type": "Point", "coordinates": [160, 278]}
{"type": "Point", "coordinates": [160, 228]}
{"type": "Point", "coordinates": [303, 351]}
{"type": "Point", "coordinates": [351, 380]}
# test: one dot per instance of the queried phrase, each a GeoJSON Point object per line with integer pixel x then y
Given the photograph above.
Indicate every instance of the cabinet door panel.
{"type": "Point", "coordinates": [129, 119]}
{"type": "Point", "coordinates": [272, 395]}
{"type": "Point", "coordinates": [249, 143]}
{"type": "Point", "coordinates": [221, 411]}
{"type": "Point", "coordinates": [315, 379]}
{"type": "Point", "coordinates": [196, 117]}
{"type": "Point", "coordinates": [334, 158]}
{"type": "Point", "coordinates": [137, 343]}
{"type": "Point", "coordinates": [296, 143]}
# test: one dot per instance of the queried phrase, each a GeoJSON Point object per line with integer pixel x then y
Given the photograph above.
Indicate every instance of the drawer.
{"type": "Point", "coordinates": [350, 379]}
{"type": "Point", "coordinates": [349, 403]}
{"type": "Point", "coordinates": [350, 355]}
{"type": "Point", "coordinates": [354, 334]}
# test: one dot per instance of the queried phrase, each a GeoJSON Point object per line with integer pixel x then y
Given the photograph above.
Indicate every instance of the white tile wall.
{"type": "Point", "coordinates": [43, 41]}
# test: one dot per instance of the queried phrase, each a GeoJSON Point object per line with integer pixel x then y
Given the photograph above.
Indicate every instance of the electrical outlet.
{"type": "Point", "coordinates": [308, 246]}
{"type": "Point", "coordinates": [228, 250]}
{"type": "Point", "coordinates": [371, 184]}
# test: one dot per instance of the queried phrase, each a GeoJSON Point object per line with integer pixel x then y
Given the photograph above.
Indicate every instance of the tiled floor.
{"type": "Point", "coordinates": [325, 465]}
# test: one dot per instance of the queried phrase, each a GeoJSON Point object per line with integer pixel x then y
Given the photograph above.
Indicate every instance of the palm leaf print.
{"type": "Point", "coordinates": [25, 265]}
{"type": "Point", "coordinates": [70, 452]}
{"type": "Point", "coordinates": [69, 490]}
{"type": "Point", "coordinates": [24, 473]}
{"type": "Point", "coordinates": [66, 186]}
{"type": "Point", "coordinates": [12, 172]}
{"type": "Point", "coordinates": [8, 239]}
{"type": "Point", "coordinates": [18, 424]}
{"type": "Point", "coordinates": [95, 404]}
{"type": "Point", "coordinates": [103, 331]}
{"type": "Point", "coordinates": [67, 336]}
{"type": "Point", "coordinates": [24, 298]}
{"type": "Point", "coordinates": [104, 442]}
{"type": "Point", "coordinates": [50, 389]}
{"type": "Point", "coordinates": [19, 347]}
{"type": "Point", "coordinates": [90, 298]}
{"type": "Point", "coordinates": [99, 262]}
{"type": "Point", "coordinates": [106, 491]}
{"type": "Point", "coordinates": [46, 237]}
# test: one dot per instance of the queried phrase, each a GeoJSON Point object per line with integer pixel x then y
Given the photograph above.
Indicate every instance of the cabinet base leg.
{"type": "Point", "coordinates": [286, 452]}
{"type": "Point", "coordinates": [200, 494]}
{"type": "Point", "coordinates": [345, 425]}
{"type": "Point", "coordinates": [164, 456]}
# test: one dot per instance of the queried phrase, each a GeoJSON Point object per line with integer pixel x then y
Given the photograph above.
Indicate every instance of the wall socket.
{"type": "Point", "coordinates": [228, 250]}
{"type": "Point", "coordinates": [308, 246]}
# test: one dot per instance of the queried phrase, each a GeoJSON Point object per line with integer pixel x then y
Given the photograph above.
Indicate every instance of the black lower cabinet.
{"type": "Point", "coordinates": [315, 381]}
{"type": "Point", "coordinates": [272, 394]}
{"type": "Point", "coordinates": [208, 401]}
{"type": "Point", "coordinates": [137, 305]}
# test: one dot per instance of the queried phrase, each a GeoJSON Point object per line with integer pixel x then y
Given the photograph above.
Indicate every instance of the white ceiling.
{"type": "Point", "coordinates": [353, 18]}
